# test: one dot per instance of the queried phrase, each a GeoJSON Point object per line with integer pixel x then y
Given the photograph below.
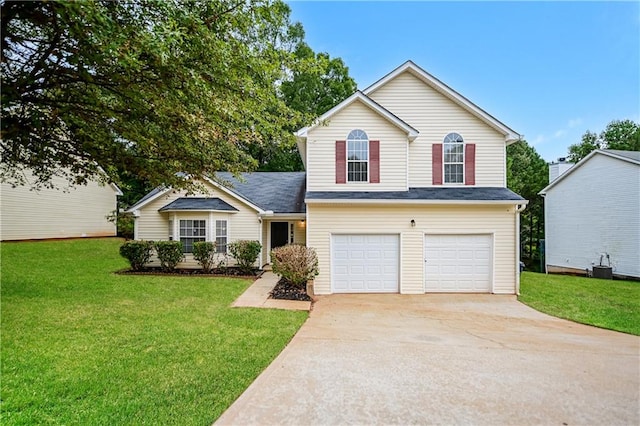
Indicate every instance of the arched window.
{"type": "Point", "coordinates": [453, 161]}
{"type": "Point", "coordinates": [357, 156]}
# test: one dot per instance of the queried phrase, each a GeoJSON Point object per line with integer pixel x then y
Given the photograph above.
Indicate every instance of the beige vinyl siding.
{"type": "Point", "coordinates": [79, 211]}
{"type": "Point", "coordinates": [154, 225]}
{"type": "Point", "coordinates": [321, 151]}
{"type": "Point", "coordinates": [434, 116]}
{"type": "Point", "coordinates": [498, 221]}
{"type": "Point", "coordinates": [300, 232]}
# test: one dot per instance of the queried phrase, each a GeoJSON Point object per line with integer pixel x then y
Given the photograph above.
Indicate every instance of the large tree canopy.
{"type": "Point", "coordinates": [619, 134]}
{"type": "Point", "coordinates": [151, 87]}
{"type": "Point", "coordinates": [316, 85]}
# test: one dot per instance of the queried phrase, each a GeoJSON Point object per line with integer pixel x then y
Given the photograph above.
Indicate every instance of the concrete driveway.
{"type": "Point", "coordinates": [444, 359]}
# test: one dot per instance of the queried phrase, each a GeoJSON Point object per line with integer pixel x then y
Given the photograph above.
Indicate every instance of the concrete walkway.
{"type": "Point", "coordinates": [257, 296]}
{"type": "Point", "coordinates": [444, 359]}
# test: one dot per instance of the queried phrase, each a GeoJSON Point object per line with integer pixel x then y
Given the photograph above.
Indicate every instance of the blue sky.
{"type": "Point", "coordinates": [549, 70]}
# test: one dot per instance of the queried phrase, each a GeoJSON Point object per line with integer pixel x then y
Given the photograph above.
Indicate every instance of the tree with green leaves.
{"type": "Point", "coordinates": [619, 134]}
{"type": "Point", "coordinates": [149, 87]}
{"type": "Point", "coordinates": [528, 174]}
{"type": "Point", "coordinates": [317, 84]}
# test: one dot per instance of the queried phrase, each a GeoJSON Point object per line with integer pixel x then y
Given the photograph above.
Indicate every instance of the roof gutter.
{"type": "Point", "coordinates": [401, 201]}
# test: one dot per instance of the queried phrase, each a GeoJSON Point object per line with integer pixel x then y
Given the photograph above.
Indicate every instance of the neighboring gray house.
{"type": "Point", "coordinates": [593, 211]}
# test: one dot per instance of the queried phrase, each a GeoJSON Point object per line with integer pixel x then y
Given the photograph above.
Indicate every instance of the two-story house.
{"type": "Point", "coordinates": [404, 192]}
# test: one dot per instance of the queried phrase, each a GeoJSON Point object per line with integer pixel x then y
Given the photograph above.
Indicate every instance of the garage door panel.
{"type": "Point", "coordinates": [365, 263]}
{"type": "Point", "coordinates": [458, 263]}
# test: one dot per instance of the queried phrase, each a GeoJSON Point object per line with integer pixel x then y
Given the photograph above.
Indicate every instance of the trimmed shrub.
{"type": "Point", "coordinates": [137, 253]}
{"type": "Point", "coordinates": [169, 254]}
{"type": "Point", "coordinates": [295, 263]}
{"type": "Point", "coordinates": [245, 252]}
{"type": "Point", "coordinates": [205, 253]}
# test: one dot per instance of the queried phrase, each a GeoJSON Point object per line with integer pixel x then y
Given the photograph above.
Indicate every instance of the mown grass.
{"type": "Point", "coordinates": [610, 304]}
{"type": "Point", "coordinates": [81, 345]}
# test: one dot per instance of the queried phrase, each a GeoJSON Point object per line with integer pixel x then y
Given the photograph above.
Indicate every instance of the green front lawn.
{"type": "Point", "coordinates": [608, 304]}
{"type": "Point", "coordinates": [81, 345]}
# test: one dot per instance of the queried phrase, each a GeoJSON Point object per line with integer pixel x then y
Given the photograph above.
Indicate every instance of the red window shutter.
{"type": "Point", "coordinates": [374, 161]}
{"type": "Point", "coordinates": [436, 163]}
{"type": "Point", "coordinates": [470, 164]}
{"type": "Point", "coordinates": [341, 161]}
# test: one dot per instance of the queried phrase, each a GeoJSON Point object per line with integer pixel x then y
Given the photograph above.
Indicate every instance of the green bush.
{"type": "Point", "coordinates": [205, 253]}
{"type": "Point", "coordinates": [245, 252]}
{"type": "Point", "coordinates": [125, 225]}
{"type": "Point", "coordinates": [169, 254]}
{"type": "Point", "coordinates": [137, 253]}
{"type": "Point", "coordinates": [295, 263]}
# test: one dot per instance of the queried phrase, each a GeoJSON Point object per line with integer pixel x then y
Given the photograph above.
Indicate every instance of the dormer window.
{"type": "Point", "coordinates": [357, 156]}
{"type": "Point", "coordinates": [453, 161]}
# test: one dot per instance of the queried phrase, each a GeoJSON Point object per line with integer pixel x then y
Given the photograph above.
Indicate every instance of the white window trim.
{"type": "Point", "coordinates": [367, 161]}
{"type": "Point", "coordinates": [215, 235]}
{"type": "Point", "coordinates": [444, 163]}
{"type": "Point", "coordinates": [206, 231]}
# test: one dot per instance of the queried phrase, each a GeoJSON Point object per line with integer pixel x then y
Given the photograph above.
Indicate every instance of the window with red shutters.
{"type": "Point", "coordinates": [374, 161]}
{"type": "Point", "coordinates": [470, 164]}
{"type": "Point", "coordinates": [436, 163]}
{"type": "Point", "coordinates": [341, 161]}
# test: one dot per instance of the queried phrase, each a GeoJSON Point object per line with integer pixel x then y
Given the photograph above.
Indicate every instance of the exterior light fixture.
{"type": "Point", "coordinates": [413, 223]}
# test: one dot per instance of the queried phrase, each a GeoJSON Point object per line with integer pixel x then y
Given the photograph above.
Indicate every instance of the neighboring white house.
{"type": "Point", "coordinates": [67, 212]}
{"type": "Point", "coordinates": [593, 211]}
{"type": "Point", "coordinates": [405, 193]}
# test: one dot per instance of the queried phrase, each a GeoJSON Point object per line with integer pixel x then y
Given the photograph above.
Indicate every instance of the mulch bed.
{"type": "Point", "coordinates": [216, 272]}
{"type": "Point", "coordinates": [286, 291]}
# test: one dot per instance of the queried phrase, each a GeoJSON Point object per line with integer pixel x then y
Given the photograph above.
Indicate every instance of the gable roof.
{"type": "Point", "coordinates": [632, 157]}
{"type": "Point", "coordinates": [279, 192]}
{"type": "Point", "coordinates": [511, 135]}
{"type": "Point", "coordinates": [358, 96]}
{"type": "Point", "coordinates": [198, 204]}
{"type": "Point", "coordinates": [423, 195]}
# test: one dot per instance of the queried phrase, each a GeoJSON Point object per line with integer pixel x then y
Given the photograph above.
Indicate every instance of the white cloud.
{"type": "Point", "coordinates": [538, 140]}
{"type": "Point", "coordinates": [559, 133]}
{"type": "Point", "coordinates": [574, 122]}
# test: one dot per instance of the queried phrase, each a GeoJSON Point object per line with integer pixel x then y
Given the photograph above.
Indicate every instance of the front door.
{"type": "Point", "coordinates": [279, 234]}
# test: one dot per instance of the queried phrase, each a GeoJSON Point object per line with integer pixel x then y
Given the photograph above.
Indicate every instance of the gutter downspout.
{"type": "Point", "coordinates": [518, 209]}
{"type": "Point", "coordinates": [546, 241]}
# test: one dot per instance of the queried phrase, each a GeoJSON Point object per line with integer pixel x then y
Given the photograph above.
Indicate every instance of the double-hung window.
{"type": "Point", "coordinates": [221, 236]}
{"type": "Point", "coordinates": [453, 160]}
{"type": "Point", "coordinates": [357, 156]}
{"type": "Point", "coordinates": [192, 231]}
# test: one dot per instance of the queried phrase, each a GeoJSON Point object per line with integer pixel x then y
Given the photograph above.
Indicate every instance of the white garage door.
{"type": "Point", "coordinates": [365, 263]}
{"type": "Point", "coordinates": [458, 263]}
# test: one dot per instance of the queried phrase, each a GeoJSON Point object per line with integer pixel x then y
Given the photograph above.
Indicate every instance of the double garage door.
{"type": "Point", "coordinates": [371, 263]}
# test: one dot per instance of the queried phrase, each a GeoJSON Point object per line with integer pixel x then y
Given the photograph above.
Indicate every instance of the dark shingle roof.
{"type": "Point", "coordinates": [195, 203]}
{"type": "Point", "coordinates": [435, 194]}
{"type": "Point", "coordinates": [281, 192]}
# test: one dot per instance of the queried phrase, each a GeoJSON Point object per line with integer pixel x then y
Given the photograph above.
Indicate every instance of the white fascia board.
{"type": "Point", "coordinates": [116, 189]}
{"type": "Point", "coordinates": [138, 206]}
{"type": "Point", "coordinates": [432, 202]}
{"type": "Point", "coordinates": [284, 216]}
{"type": "Point", "coordinates": [198, 211]}
{"type": "Point", "coordinates": [359, 96]}
{"type": "Point", "coordinates": [510, 135]}
{"type": "Point", "coordinates": [233, 194]}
